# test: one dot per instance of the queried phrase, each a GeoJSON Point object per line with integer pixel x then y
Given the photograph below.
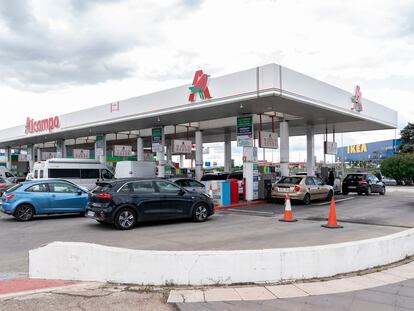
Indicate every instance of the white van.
{"type": "Point", "coordinates": [136, 169]}
{"type": "Point", "coordinates": [82, 172]}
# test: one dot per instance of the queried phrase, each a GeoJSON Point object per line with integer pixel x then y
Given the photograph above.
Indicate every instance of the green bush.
{"type": "Point", "coordinates": [400, 167]}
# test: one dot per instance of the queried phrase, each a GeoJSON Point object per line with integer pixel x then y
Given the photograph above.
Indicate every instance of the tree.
{"type": "Point", "coordinates": [399, 166]}
{"type": "Point", "coordinates": [407, 138]}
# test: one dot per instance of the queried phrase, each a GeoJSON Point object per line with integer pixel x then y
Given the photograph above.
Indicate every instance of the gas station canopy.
{"type": "Point", "coordinates": [276, 92]}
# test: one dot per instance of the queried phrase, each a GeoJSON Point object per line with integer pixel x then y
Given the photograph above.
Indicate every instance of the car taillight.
{"type": "Point", "coordinates": [9, 197]}
{"type": "Point", "coordinates": [105, 195]}
{"type": "Point", "coordinates": [362, 181]}
{"type": "Point", "coordinates": [3, 185]}
{"type": "Point", "coordinates": [296, 189]}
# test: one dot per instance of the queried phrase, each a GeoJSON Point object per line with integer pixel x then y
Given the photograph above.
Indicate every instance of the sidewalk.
{"type": "Point", "coordinates": [403, 275]}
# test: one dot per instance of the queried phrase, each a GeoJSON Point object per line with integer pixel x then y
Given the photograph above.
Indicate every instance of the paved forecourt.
{"type": "Point", "coordinates": [247, 228]}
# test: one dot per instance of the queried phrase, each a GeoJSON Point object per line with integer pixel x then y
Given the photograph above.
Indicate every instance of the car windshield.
{"type": "Point", "coordinates": [15, 187]}
{"type": "Point", "coordinates": [290, 180]}
{"type": "Point", "coordinates": [102, 187]}
{"type": "Point", "coordinates": [222, 176]}
{"type": "Point", "coordinates": [355, 177]}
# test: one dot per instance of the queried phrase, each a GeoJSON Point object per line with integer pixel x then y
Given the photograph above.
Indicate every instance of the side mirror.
{"type": "Point", "coordinates": [181, 192]}
{"type": "Point", "coordinates": [79, 192]}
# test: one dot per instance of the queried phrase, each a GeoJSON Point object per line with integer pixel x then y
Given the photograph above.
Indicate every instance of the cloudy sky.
{"type": "Point", "coordinates": [63, 55]}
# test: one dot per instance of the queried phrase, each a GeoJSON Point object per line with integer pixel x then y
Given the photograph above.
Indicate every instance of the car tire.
{"type": "Point", "coordinates": [369, 191]}
{"type": "Point", "coordinates": [200, 213]}
{"type": "Point", "coordinates": [344, 192]}
{"type": "Point", "coordinates": [125, 219]}
{"type": "Point", "coordinates": [306, 199]}
{"type": "Point", "coordinates": [82, 214]}
{"type": "Point", "coordinates": [359, 193]}
{"type": "Point", "coordinates": [382, 192]}
{"type": "Point", "coordinates": [329, 196]}
{"type": "Point", "coordinates": [24, 212]}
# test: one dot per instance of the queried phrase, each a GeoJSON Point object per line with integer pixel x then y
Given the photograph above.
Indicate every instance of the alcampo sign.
{"type": "Point", "coordinates": [44, 125]}
{"type": "Point", "coordinates": [357, 148]}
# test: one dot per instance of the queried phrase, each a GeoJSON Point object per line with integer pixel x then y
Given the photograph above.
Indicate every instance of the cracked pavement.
{"type": "Point", "coordinates": [96, 297]}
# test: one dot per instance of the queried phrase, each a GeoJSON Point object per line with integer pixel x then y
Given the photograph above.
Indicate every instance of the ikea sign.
{"type": "Point", "coordinates": [357, 148]}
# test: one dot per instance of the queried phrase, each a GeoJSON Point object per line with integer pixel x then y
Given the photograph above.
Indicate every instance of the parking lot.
{"type": "Point", "coordinates": [253, 227]}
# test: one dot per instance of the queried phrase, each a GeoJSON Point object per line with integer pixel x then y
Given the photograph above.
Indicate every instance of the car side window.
{"type": "Point", "coordinates": [126, 188]}
{"type": "Point", "coordinates": [318, 181]}
{"type": "Point", "coordinates": [309, 181]}
{"type": "Point", "coordinates": [38, 188]}
{"type": "Point", "coordinates": [195, 184]}
{"type": "Point", "coordinates": [107, 174]}
{"type": "Point", "coordinates": [36, 174]}
{"type": "Point", "coordinates": [166, 187]}
{"type": "Point", "coordinates": [62, 188]}
{"type": "Point", "coordinates": [143, 187]}
{"type": "Point", "coordinates": [182, 183]}
{"type": "Point", "coordinates": [41, 174]}
{"type": "Point", "coordinates": [8, 174]}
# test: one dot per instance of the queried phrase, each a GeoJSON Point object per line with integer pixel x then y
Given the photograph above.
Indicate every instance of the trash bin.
{"type": "Point", "coordinates": [234, 191]}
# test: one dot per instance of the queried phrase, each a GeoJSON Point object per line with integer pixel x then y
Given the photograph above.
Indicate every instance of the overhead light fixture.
{"type": "Point", "coordinates": [158, 119]}
{"type": "Point", "coordinates": [241, 106]}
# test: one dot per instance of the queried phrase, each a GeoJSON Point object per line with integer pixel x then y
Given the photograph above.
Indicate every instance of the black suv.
{"type": "Point", "coordinates": [362, 183]}
{"type": "Point", "coordinates": [124, 202]}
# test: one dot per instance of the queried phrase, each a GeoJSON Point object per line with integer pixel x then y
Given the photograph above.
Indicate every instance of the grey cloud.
{"type": "Point", "coordinates": [34, 57]}
{"type": "Point", "coordinates": [192, 4]}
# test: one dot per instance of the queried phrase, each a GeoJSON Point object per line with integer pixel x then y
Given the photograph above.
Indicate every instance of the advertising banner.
{"type": "Point", "coordinates": [268, 140]}
{"type": "Point", "coordinates": [330, 147]}
{"type": "Point", "coordinates": [250, 156]}
{"type": "Point", "coordinates": [181, 146]}
{"type": "Point", "coordinates": [48, 155]}
{"type": "Point", "coordinates": [245, 131]}
{"type": "Point", "coordinates": [81, 153]}
{"type": "Point", "coordinates": [122, 151]}
{"type": "Point", "coordinates": [157, 139]}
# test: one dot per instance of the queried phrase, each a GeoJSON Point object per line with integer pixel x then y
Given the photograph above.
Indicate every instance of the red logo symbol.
{"type": "Point", "coordinates": [199, 86]}
{"type": "Point", "coordinates": [357, 100]}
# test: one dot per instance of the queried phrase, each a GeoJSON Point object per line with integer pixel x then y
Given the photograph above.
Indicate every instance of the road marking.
{"type": "Point", "coordinates": [336, 201]}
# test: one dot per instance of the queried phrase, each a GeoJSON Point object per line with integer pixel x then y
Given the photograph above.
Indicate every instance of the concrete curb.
{"type": "Point", "coordinates": [92, 262]}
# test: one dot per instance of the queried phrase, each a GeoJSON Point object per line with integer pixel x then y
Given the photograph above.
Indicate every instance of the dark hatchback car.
{"type": "Point", "coordinates": [125, 202]}
{"type": "Point", "coordinates": [362, 183]}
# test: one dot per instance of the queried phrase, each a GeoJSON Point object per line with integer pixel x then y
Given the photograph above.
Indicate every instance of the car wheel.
{"type": "Point", "coordinates": [82, 214]}
{"type": "Point", "coordinates": [200, 213]}
{"type": "Point", "coordinates": [125, 219]}
{"type": "Point", "coordinates": [24, 212]}
{"type": "Point", "coordinates": [344, 192]}
{"type": "Point", "coordinates": [307, 199]}
{"type": "Point", "coordinates": [330, 195]}
{"type": "Point", "coordinates": [369, 191]}
{"type": "Point", "coordinates": [382, 192]}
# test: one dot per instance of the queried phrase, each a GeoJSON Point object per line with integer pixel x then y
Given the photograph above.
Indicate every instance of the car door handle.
{"type": "Point", "coordinates": [53, 195]}
{"type": "Point", "coordinates": [134, 196]}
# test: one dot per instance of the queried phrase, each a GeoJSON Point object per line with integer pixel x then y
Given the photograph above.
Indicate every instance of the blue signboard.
{"type": "Point", "coordinates": [375, 151]}
{"type": "Point", "coordinates": [207, 164]}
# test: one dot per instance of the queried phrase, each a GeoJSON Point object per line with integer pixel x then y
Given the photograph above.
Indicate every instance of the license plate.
{"type": "Point", "coordinates": [283, 189]}
{"type": "Point", "coordinates": [351, 187]}
{"type": "Point", "coordinates": [91, 214]}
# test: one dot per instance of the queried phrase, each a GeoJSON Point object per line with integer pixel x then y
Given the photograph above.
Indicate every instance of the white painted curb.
{"type": "Point", "coordinates": [92, 262]}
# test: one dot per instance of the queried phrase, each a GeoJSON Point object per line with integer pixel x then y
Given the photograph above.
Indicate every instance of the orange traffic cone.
{"type": "Point", "coordinates": [332, 224]}
{"type": "Point", "coordinates": [288, 216]}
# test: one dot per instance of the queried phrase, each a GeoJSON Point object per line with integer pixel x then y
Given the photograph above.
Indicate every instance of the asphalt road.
{"type": "Point", "coordinates": [253, 227]}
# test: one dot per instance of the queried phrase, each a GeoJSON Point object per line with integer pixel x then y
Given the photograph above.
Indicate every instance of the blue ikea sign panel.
{"type": "Point", "coordinates": [375, 151]}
